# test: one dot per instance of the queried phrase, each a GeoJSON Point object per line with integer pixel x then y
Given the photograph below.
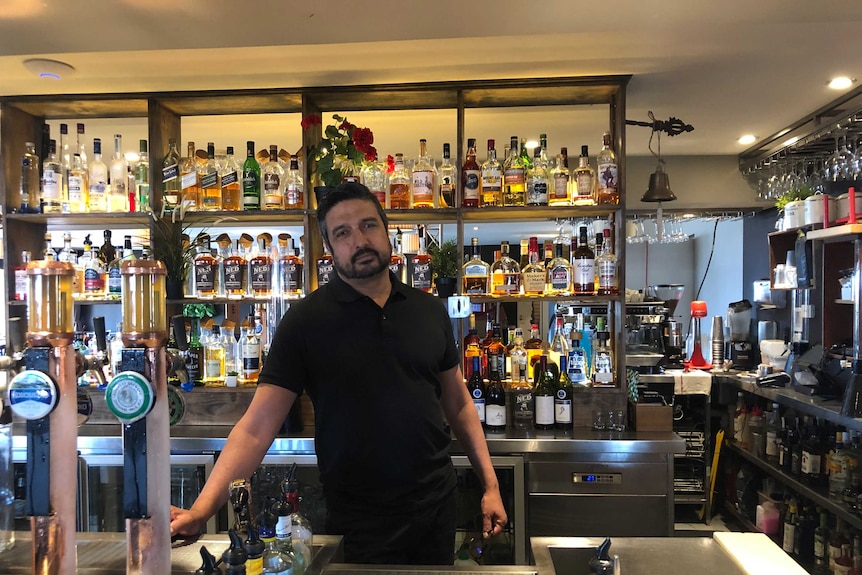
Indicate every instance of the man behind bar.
{"type": "Point", "coordinates": [378, 360]}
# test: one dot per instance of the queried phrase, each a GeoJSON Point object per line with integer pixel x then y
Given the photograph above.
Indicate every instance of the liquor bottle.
{"type": "Point", "coordinates": [559, 195]}
{"type": "Point", "coordinates": [400, 197]}
{"type": "Point", "coordinates": [837, 539]}
{"type": "Point", "coordinates": [325, 268]}
{"type": "Point", "coordinates": [522, 390]}
{"type": "Point", "coordinates": [838, 466]}
{"type": "Point", "coordinates": [505, 273]}
{"type": "Point", "coordinates": [563, 418]}
{"type": "Point", "coordinates": [773, 434]}
{"type": "Point", "coordinates": [114, 278]}
{"type": "Point", "coordinates": [260, 270]}
{"type": "Point", "coordinates": [51, 181]}
{"type": "Point", "coordinates": [171, 182]}
{"type": "Point", "coordinates": [495, 401]}
{"type": "Point", "coordinates": [205, 269]}
{"type": "Point", "coordinates": [812, 454]}
{"type": "Point", "coordinates": [606, 267]}
{"type": "Point", "coordinates": [294, 196]}
{"type": "Point", "coordinates": [250, 179]}
{"type": "Point", "coordinates": [118, 197]}
{"type": "Point", "coordinates": [560, 272]}
{"type": "Point", "coordinates": [789, 527]}
{"type": "Point", "coordinates": [420, 277]}
{"type": "Point", "coordinates": [585, 180]}
{"type": "Point", "coordinates": [496, 351]}
{"type": "Point", "coordinates": [543, 153]}
{"type": "Point", "coordinates": [78, 187]}
{"type": "Point", "coordinates": [210, 191]}
{"type": "Point", "coordinates": [189, 180]}
{"type": "Point", "coordinates": [543, 394]}
{"type": "Point", "coordinates": [275, 560]}
{"type": "Point", "coordinates": [821, 544]}
{"type": "Point", "coordinates": [94, 273]}
{"type": "Point", "coordinates": [533, 274]}
{"type": "Point", "coordinates": [142, 178]}
{"type": "Point", "coordinates": [476, 389]}
{"type": "Point", "coordinates": [525, 156]}
{"type": "Point", "coordinates": [373, 177]}
{"type": "Point", "coordinates": [28, 190]}
{"type": "Point", "coordinates": [603, 358]}
{"type": "Point", "coordinates": [576, 363]}
{"type": "Point", "coordinates": [471, 347]}
{"type": "Point", "coordinates": [584, 266]}
{"type": "Point", "coordinates": [107, 252]}
{"type": "Point", "coordinates": [422, 182]}
{"type": "Point", "coordinates": [273, 182]}
{"type": "Point", "coordinates": [446, 180]}
{"type": "Point", "coordinates": [81, 146]}
{"type": "Point", "coordinates": [491, 193]}
{"type": "Point", "coordinates": [476, 272]}
{"type": "Point", "coordinates": [514, 177]}
{"type": "Point", "coordinates": [290, 267]}
{"type": "Point", "coordinates": [65, 158]}
{"type": "Point", "coordinates": [67, 254]}
{"type": "Point", "coordinates": [235, 267]}
{"type": "Point", "coordinates": [231, 193]}
{"type": "Point", "coordinates": [533, 347]}
{"type": "Point", "coordinates": [607, 189]}
{"type": "Point", "coordinates": [538, 180]}
{"type": "Point", "coordinates": [249, 352]}
{"type": "Point", "coordinates": [558, 352]}
{"type": "Point", "coordinates": [20, 273]}
{"type": "Point", "coordinates": [397, 261]}
{"type": "Point", "coordinates": [214, 359]}
{"type": "Point", "coordinates": [195, 354]}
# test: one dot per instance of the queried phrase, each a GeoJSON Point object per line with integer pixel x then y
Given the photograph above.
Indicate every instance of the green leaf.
{"type": "Point", "coordinates": [332, 133]}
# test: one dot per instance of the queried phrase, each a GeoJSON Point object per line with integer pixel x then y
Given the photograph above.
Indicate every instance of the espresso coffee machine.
{"type": "Point", "coordinates": [655, 340]}
{"type": "Point", "coordinates": [672, 338]}
{"type": "Point", "coordinates": [741, 349]}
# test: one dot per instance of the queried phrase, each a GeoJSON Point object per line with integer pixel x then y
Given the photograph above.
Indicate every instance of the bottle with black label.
{"type": "Point", "coordinates": [195, 354]}
{"type": "Point", "coordinates": [421, 274]}
{"type": "Point", "coordinates": [495, 401]}
{"type": "Point", "coordinates": [325, 268]}
{"type": "Point", "coordinates": [260, 270]}
{"type": "Point", "coordinates": [249, 346]}
{"type": "Point", "coordinates": [205, 269]}
{"type": "Point", "coordinates": [476, 389]}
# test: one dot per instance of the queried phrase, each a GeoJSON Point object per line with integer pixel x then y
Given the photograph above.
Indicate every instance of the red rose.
{"type": "Point", "coordinates": [370, 154]}
{"type": "Point", "coordinates": [346, 126]}
{"type": "Point", "coordinates": [362, 139]}
{"type": "Point", "coordinates": [390, 164]}
{"type": "Point", "coordinates": [310, 120]}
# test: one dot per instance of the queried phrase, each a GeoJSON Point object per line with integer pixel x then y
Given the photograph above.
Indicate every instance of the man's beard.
{"type": "Point", "coordinates": [353, 272]}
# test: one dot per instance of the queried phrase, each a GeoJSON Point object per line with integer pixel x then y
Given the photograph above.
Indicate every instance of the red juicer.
{"type": "Point", "coordinates": [696, 361]}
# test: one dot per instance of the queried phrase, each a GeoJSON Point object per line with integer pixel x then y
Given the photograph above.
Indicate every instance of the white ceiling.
{"type": "Point", "coordinates": [728, 68]}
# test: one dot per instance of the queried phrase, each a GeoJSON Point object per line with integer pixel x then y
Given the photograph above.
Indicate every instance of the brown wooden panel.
{"type": "Point", "coordinates": [164, 124]}
{"type": "Point", "coordinates": [239, 102]}
{"type": "Point", "coordinates": [16, 128]}
{"type": "Point", "coordinates": [357, 98]}
{"type": "Point", "coordinates": [83, 106]}
{"type": "Point", "coordinates": [538, 96]}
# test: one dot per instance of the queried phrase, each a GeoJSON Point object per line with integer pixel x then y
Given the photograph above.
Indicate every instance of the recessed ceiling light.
{"type": "Point", "coordinates": [790, 141]}
{"type": "Point", "coordinates": [51, 69]}
{"type": "Point", "coordinates": [841, 82]}
{"type": "Point", "coordinates": [747, 139]}
{"type": "Point", "coordinates": [475, 228]}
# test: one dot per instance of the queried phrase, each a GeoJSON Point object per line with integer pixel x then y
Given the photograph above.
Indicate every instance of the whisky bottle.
{"type": "Point", "coordinates": [52, 176]}
{"type": "Point", "coordinates": [210, 190]}
{"type": "Point", "coordinates": [559, 272]}
{"type": "Point", "coordinates": [171, 183]}
{"type": "Point", "coordinates": [472, 347]}
{"type": "Point", "coordinates": [476, 389]}
{"type": "Point", "coordinates": [471, 178]}
{"type": "Point", "coordinates": [538, 179]}
{"type": "Point", "coordinates": [189, 180]}
{"type": "Point", "coordinates": [214, 359]}
{"type": "Point", "coordinates": [29, 184]}
{"type": "Point", "coordinates": [294, 196]}
{"type": "Point", "coordinates": [492, 179]}
{"type": "Point", "coordinates": [250, 180]}
{"type": "Point", "coordinates": [420, 277]}
{"type": "Point", "coordinates": [534, 347]}
{"type": "Point", "coordinates": [273, 182]}
{"type": "Point", "coordinates": [533, 275]}
{"type": "Point", "coordinates": [231, 193]}
{"type": "Point", "coordinates": [476, 273]}
{"type": "Point", "coordinates": [142, 178]}
{"type": "Point", "coordinates": [78, 187]}
{"type": "Point", "coordinates": [118, 197]}
{"type": "Point", "coordinates": [608, 184]}
{"type": "Point", "coordinates": [505, 273]}
{"type": "Point", "coordinates": [543, 395]}
{"type": "Point", "coordinates": [373, 177]}
{"type": "Point", "coordinates": [583, 264]}
{"type": "Point", "coordinates": [514, 177]}
{"type": "Point", "coordinates": [260, 270]}
{"type": "Point", "coordinates": [585, 181]}
{"type": "Point", "coordinates": [446, 180]}
{"type": "Point", "coordinates": [325, 268]}
{"type": "Point", "coordinates": [559, 195]}
{"type": "Point", "coordinates": [249, 346]}
{"type": "Point", "coordinates": [235, 266]}
{"type": "Point", "coordinates": [397, 261]}
{"type": "Point", "coordinates": [423, 176]}
{"type": "Point", "coordinates": [290, 268]}
{"type": "Point", "coordinates": [205, 269]}
{"type": "Point", "coordinates": [400, 196]}
{"type": "Point", "coordinates": [195, 353]}
{"type": "Point", "coordinates": [496, 353]}
{"type": "Point", "coordinates": [522, 391]}
{"type": "Point", "coordinates": [107, 252]}
{"type": "Point", "coordinates": [606, 267]}
{"type": "Point", "coordinates": [94, 273]}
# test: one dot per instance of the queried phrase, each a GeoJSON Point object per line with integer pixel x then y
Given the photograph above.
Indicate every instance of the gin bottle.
{"type": "Point", "coordinates": [29, 187]}
{"type": "Point", "coordinates": [52, 176]}
{"type": "Point", "coordinates": [118, 198]}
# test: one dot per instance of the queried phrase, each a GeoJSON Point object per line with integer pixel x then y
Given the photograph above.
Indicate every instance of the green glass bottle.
{"type": "Point", "coordinates": [563, 399]}
{"type": "Point", "coordinates": [250, 180]}
{"type": "Point", "coordinates": [194, 359]}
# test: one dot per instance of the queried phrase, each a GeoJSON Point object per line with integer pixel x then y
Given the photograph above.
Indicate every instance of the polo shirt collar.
{"type": "Point", "coordinates": [345, 293]}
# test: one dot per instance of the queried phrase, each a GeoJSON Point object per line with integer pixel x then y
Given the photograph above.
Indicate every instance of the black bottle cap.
{"type": "Point", "coordinates": [208, 565]}
{"type": "Point", "coordinates": [253, 544]}
{"type": "Point", "coordinates": [236, 553]}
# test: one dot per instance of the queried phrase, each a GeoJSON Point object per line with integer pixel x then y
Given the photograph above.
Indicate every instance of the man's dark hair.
{"type": "Point", "coordinates": [341, 192]}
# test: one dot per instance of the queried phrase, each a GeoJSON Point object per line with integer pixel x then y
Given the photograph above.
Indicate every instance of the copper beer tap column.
{"type": "Point", "coordinates": [44, 393]}
{"type": "Point", "coordinates": [138, 396]}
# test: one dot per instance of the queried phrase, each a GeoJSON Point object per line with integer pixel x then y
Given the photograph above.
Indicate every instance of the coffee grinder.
{"type": "Point", "coordinates": [740, 346]}
{"type": "Point", "coordinates": [671, 328]}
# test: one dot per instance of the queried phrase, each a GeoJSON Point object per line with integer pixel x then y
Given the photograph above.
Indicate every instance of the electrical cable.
{"type": "Point", "coordinates": [709, 261]}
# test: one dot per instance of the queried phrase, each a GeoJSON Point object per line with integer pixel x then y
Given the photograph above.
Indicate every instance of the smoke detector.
{"type": "Point", "coordinates": [51, 69]}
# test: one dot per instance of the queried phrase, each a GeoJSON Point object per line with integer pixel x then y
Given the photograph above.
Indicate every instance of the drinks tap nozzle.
{"type": "Point", "coordinates": [14, 358]}
{"type": "Point", "coordinates": [99, 359]}
{"type": "Point", "coordinates": [240, 500]}
{"type": "Point", "coordinates": [177, 364]}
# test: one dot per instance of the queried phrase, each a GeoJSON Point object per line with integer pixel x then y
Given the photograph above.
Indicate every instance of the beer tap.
{"type": "Point", "coordinates": [44, 394]}
{"type": "Point", "coordinates": [240, 500]}
{"type": "Point", "coordinates": [96, 362]}
{"type": "Point", "coordinates": [137, 396]}
{"type": "Point", "coordinates": [13, 361]}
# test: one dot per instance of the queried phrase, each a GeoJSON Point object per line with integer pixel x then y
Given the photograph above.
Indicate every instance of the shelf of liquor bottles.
{"type": "Point", "coordinates": [581, 301]}
{"type": "Point", "coordinates": [91, 220]}
{"type": "Point", "coordinates": [819, 496]}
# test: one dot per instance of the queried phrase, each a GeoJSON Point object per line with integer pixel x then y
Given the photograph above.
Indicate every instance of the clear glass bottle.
{"type": "Point", "coordinates": [559, 349]}
{"type": "Point", "coordinates": [78, 187]}
{"type": "Point", "coordinates": [421, 263]}
{"type": "Point", "coordinates": [291, 269]}
{"type": "Point", "coordinates": [94, 273]}
{"type": "Point", "coordinates": [538, 180]}
{"type": "Point", "coordinates": [250, 179]}
{"type": "Point", "coordinates": [189, 180]}
{"type": "Point", "coordinates": [214, 359]}
{"type": "Point", "coordinates": [423, 179]}
{"type": "Point", "coordinates": [324, 266]}
{"type": "Point", "coordinates": [52, 176]}
{"type": "Point", "coordinates": [373, 177]}
{"type": "Point", "coordinates": [114, 279]}
{"type": "Point", "coordinates": [400, 193]}
{"type": "Point", "coordinates": [603, 357]}
{"type": "Point", "coordinates": [476, 273]}
{"type": "Point", "coordinates": [142, 177]}
{"type": "Point", "coordinates": [65, 158]}
{"type": "Point", "coordinates": [397, 261]}
{"type": "Point", "coordinates": [560, 272]}
{"type": "Point", "coordinates": [273, 182]}
{"type": "Point", "coordinates": [533, 275]}
{"type": "Point", "coordinates": [543, 395]}
{"type": "Point", "coordinates": [585, 180]}
{"type": "Point", "coordinates": [607, 188]}
{"type": "Point", "coordinates": [505, 273]}
{"type": "Point", "coordinates": [576, 363]}
{"type": "Point", "coordinates": [559, 194]}
{"type": "Point", "coordinates": [231, 192]}
{"type": "Point", "coordinates": [249, 346]}
{"type": "Point", "coordinates": [294, 186]}
{"type": "Point", "coordinates": [447, 180]}
{"type": "Point", "coordinates": [491, 192]}
{"type": "Point", "coordinates": [235, 268]}
{"type": "Point", "coordinates": [171, 182]}
{"type": "Point", "coordinates": [606, 267]}
{"type": "Point", "coordinates": [514, 177]}
{"type": "Point", "coordinates": [210, 190]}
{"type": "Point", "coordinates": [81, 146]}
{"type": "Point", "coordinates": [118, 197]}
{"type": "Point", "coordinates": [205, 269]}
{"type": "Point", "coordinates": [260, 270]}
{"type": "Point", "coordinates": [584, 266]}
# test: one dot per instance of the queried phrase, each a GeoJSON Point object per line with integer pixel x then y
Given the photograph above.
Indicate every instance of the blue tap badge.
{"type": "Point", "coordinates": [32, 394]}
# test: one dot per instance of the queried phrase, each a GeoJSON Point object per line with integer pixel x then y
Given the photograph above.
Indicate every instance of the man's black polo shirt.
{"type": "Point", "coordinates": [371, 373]}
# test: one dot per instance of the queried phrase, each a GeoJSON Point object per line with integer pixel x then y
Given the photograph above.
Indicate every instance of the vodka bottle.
{"type": "Point", "coordinates": [118, 198]}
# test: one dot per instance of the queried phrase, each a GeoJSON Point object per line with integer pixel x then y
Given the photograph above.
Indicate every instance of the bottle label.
{"type": "Point", "coordinates": [209, 180]}
{"type": "Point", "coordinates": [250, 189]}
{"type": "Point", "coordinates": [97, 188]}
{"type": "Point", "coordinates": [234, 276]}
{"type": "Point", "coordinates": [422, 276]}
{"type": "Point", "coordinates": [585, 271]}
{"type": "Point", "coordinates": [423, 187]}
{"type": "Point", "coordinates": [771, 444]}
{"type": "Point", "coordinates": [204, 277]}
{"type": "Point", "coordinates": [561, 187]}
{"type": "Point", "coordinates": [534, 281]}
{"type": "Point", "coordinates": [76, 183]}
{"type": "Point", "coordinates": [169, 173]}
{"type": "Point", "coordinates": [479, 404]}
{"type": "Point", "coordinates": [212, 368]}
{"type": "Point", "coordinates": [93, 281]}
{"type": "Point", "coordinates": [585, 186]}
{"type": "Point", "coordinates": [228, 179]}
{"type": "Point", "coordinates": [519, 368]}
{"type": "Point", "coordinates": [604, 368]}
{"type": "Point", "coordinates": [21, 285]}
{"type": "Point", "coordinates": [50, 185]}
{"type": "Point", "coordinates": [250, 355]}
{"type": "Point", "coordinates": [292, 278]}
{"type": "Point", "coordinates": [810, 464]}
{"type": "Point", "coordinates": [562, 408]}
{"type": "Point", "coordinates": [189, 180]}
{"type": "Point", "coordinates": [576, 365]}
{"type": "Point", "coordinates": [820, 549]}
{"type": "Point", "coordinates": [193, 364]}
{"type": "Point", "coordinates": [607, 272]}
{"type": "Point", "coordinates": [115, 281]}
{"type": "Point", "coordinates": [261, 274]}
{"type": "Point", "coordinates": [471, 184]}
{"type": "Point", "coordinates": [544, 409]}
{"type": "Point", "coordinates": [538, 193]}
{"type": "Point", "coordinates": [514, 176]}
{"type": "Point", "coordinates": [283, 527]}
{"type": "Point", "coordinates": [607, 175]}
{"type": "Point", "coordinates": [396, 268]}
{"type": "Point", "coordinates": [523, 408]}
{"type": "Point", "coordinates": [324, 272]}
{"type": "Point", "coordinates": [496, 362]}
{"type": "Point", "coordinates": [292, 195]}
{"type": "Point", "coordinates": [789, 536]}
{"type": "Point", "coordinates": [506, 283]}
{"type": "Point", "coordinates": [495, 415]}
{"type": "Point", "coordinates": [560, 279]}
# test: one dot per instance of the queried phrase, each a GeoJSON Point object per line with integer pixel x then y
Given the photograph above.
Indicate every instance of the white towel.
{"type": "Point", "coordinates": [692, 382]}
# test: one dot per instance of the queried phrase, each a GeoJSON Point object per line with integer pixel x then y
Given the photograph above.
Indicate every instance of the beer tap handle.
{"type": "Point", "coordinates": [101, 334]}
{"type": "Point", "coordinates": [179, 323]}
{"type": "Point", "coordinates": [16, 336]}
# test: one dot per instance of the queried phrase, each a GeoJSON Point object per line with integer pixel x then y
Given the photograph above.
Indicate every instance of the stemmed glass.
{"type": "Point", "coordinates": [638, 236]}
{"type": "Point", "coordinates": [840, 166]}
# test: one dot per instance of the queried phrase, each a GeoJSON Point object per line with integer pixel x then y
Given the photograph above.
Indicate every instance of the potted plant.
{"type": "Point", "coordinates": [170, 244]}
{"type": "Point", "coordinates": [445, 265]}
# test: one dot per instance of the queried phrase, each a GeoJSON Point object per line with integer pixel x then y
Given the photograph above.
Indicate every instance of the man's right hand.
{"type": "Point", "coordinates": [186, 522]}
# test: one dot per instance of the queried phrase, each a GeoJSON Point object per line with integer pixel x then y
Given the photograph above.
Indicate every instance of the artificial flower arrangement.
{"type": "Point", "coordinates": [342, 149]}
